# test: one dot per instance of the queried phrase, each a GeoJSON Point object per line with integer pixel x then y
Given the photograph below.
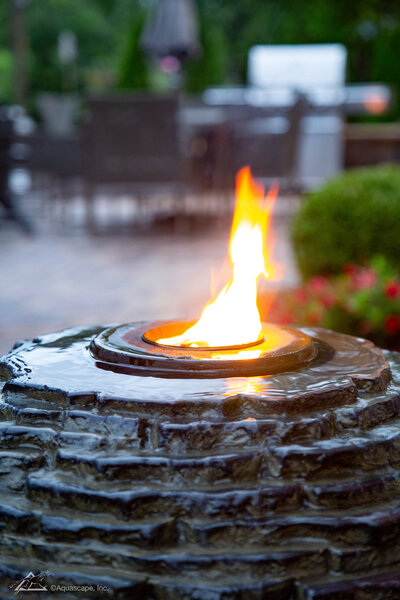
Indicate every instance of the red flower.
{"type": "Point", "coordinates": [314, 318]}
{"type": "Point", "coordinates": [317, 284]}
{"type": "Point", "coordinates": [301, 296]}
{"type": "Point", "coordinates": [286, 317]}
{"type": "Point", "coordinates": [364, 279]}
{"type": "Point", "coordinates": [392, 324]}
{"type": "Point", "coordinates": [350, 270]}
{"type": "Point", "coordinates": [392, 289]}
{"type": "Point", "coordinates": [328, 301]}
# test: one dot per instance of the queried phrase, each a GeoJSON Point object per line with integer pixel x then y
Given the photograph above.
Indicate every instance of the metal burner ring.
{"type": "Point", "coordinates": [132, 349]}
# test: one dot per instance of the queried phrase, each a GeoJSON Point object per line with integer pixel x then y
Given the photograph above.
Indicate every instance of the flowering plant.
{"type": "Point", "coordinates": [362, 301]}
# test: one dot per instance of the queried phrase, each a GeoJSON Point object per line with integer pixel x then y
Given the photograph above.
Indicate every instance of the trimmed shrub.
{"type": "Point", "coordinates": [350, 219]}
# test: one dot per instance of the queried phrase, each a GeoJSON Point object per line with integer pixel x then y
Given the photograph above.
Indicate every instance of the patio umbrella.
{"type": "Point", "coordinates": [172, 30]}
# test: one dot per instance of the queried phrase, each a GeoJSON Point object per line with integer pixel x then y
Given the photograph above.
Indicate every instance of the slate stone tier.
{"type": "Point", "coordinates": [237, 492]}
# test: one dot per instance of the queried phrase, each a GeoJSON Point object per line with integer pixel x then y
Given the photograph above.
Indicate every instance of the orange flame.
{"type": "Point", "coordinates": [232, 318]}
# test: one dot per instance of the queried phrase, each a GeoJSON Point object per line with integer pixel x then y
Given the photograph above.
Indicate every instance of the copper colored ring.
{"type": "Point", "coordinates": [125, 349]}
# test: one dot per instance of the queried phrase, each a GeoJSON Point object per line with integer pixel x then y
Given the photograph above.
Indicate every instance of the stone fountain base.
{"type": "Point", "coordinates": [278, 487]}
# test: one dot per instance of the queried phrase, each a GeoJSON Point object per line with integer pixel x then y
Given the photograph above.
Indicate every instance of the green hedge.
{"type": "Point", "coordinates": [348, 220]}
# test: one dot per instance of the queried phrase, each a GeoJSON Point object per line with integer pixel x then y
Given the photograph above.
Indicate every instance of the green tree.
{"type": "Point", "coordinates": [6, 76]}
{"type": "Point", "coordinates": [108, 33]}
{"type": "Point", "coordinates": [46, 19]}
{"type": "Point", "coordinates": [132, 72]}
{"type": "Point", "coordinates": [211, 66]}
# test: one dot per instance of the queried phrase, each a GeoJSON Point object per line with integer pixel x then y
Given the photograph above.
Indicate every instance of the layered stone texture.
{"type": "Point", "coordinates": [280, 487]}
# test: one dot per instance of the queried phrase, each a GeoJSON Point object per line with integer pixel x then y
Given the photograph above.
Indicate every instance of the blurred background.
{"type": "Point", "coordinates": [124, 122]}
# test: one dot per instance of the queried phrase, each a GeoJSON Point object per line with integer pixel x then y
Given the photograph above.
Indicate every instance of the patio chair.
{"type": "Point", "coordinates": [131, 144]}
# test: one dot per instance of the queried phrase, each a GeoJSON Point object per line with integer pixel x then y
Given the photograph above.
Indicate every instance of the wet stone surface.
{"type": "Point", "coordinates": [281, 487]}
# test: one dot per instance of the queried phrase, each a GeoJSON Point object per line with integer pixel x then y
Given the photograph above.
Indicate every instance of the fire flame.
{"type": "Point", "coordinates": [233, 318]}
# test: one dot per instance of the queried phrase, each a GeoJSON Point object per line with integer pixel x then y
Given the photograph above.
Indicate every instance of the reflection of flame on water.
{"type": "Point", "coordinates": [246, 385]}
{"type": "Point", "coordinates": [232, 318]}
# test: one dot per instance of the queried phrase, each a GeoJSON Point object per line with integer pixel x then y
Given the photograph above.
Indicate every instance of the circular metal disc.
{"type": "Point", "coordinates": [132, 349]}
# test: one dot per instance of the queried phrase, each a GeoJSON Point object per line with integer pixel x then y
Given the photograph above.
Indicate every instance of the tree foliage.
{"type": "Point", "coordinates": [107, 29]}
{"type": "Point", "coordinates": [133, 71]}
{"type": "Point", "coordinates": [46, 19]}
{"type": "Point", "coordinates": [211, 67]}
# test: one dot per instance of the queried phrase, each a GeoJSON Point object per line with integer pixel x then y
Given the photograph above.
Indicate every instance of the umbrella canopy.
{"type": "Point", "coordinates": [172, 30]}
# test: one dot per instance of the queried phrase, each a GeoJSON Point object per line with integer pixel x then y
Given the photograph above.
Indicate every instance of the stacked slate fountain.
{"type": "Point", "coordinates": [279, 487]}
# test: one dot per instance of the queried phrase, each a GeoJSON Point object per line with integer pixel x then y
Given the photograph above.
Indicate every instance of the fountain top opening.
{"type": "Point", "coordinates": [133, 349]}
